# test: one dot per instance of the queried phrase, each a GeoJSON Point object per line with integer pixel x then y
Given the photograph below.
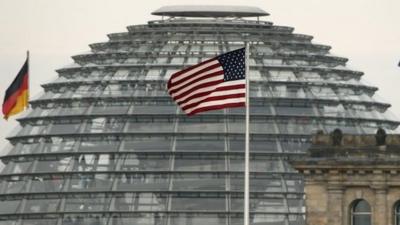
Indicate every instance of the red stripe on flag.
{"type": "Point", "coordinates": [218, 73]}
{"type": "Point", "coordinates": [205, 85]}
{"type": "Point", "coordinates": [213, 98]}
{"type": "Point", "coordinates": [193, 75]}
{"type": "Point", "coordinates": [202, 94]}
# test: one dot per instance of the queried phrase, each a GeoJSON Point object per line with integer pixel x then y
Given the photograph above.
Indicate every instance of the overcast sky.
{"type": "Point", "coordinates": [364, 31]}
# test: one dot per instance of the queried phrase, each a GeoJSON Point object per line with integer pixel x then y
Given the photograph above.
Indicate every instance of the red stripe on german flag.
{"type": "Point", "coordinates": [17, 94]}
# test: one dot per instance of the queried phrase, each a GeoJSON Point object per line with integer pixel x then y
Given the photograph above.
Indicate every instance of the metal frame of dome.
{"type": "Point", "coordinates": [210, 11]}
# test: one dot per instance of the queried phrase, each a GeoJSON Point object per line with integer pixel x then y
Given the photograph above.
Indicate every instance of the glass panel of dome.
{"type": "Point", "coordinates": [182, 48]}
{"type": "Point", "coordinates": [134, 126]}
{"type": "Point", "coordinates": [237, 126]}
{"type": "Point", "coordinates": [91, 162]}
{"type": "Point", "coordinates": [270, 219]}
{"type": "Point", "coordinates": [83, 203]}
{"type": "Point", "coordinates": [296, 219]}
{"type": "Point", "coordinates": [192, 60]}
{"type": "Point", "coordinates": [279, 91]}
{"type": "Point", "coordinates": [323, 92]}
{"type": "Point", "coordinates": [60, 165]}
{"type": "Point", "coordinates": [297, 125]}
{"type": "Point", "coordinates": [197, 219]}
{"type": "Point", "coordinates": [143, 219]}
{"type": "Point", "coordinates": [201, 127]}
{"type": "Point", "coordinates": [294, 91]}
{"type": "Point", "coordinates": [161, 60]}
{"type": "Point", "coordinates": [257, 184]}
{"type": "Point", "coordinates": [68, 127]}
{"type": "Point", "coordinates": [281, 75]}
{"type": "Point", "coordinates": [257, 109]}
{"type": "Point", "coordinates": [255, 75]}
{"type": "Point", "coordinates": [153, 74]}
{"type": "Point", "coordinates": [47, 184]}
{"type": "Point", "coordinates": [70, 111]}
{"type": "Point", "coordinates": [295, 205]}
{"type": "Point", "coordinates": [41, 205]}
{"type": "Point", "coordinates": [149, 144]}
{"type": "Point", "coordinates": [104, 124]}
{"type": "Point", "coordinates": [143, 182]}
{"type": "Point", "coordinates": [121, 74]}
{"type": "Point", "coordinates": [116, 90]}
{"type": "Point", "coordinates": [169, 72]}
{"type": "Point", "coordinates": [39, 221]}
{"type": "Point", "coordinates": [177, 60]}
{"type": "Point", "coordinates": [263, 146]}
{"type": "Point", "coordinates": [297, 62]}
{"type": "Point", "coordinates": [271, 62]}
{"type": "Point", "coordinates": [168, 48]}
{"type": "Point", "coordinates": [38, 112]}
{"type": "Point", "coordinates": [9, 206]}
{"type": "Point", "coordinates": [141, 202]}
{"type": "Point", "coordinates": [332, 110]}
{"type": "Point", "coordinates": [274, 185]}
{"type": "Point", "coordinates": [17, 167]}
{"type": "Point", "coordinates": [195, 164]}
{"type": "Point", "coordinates": [146, 163]}
{"type": "Point", "coordinates": [346, 126]}
{"type": "Point", "coordinates": [236, 164]}
{"type": "Point", "coordinates": [98, 146]}
{"type": "Point", "coordinates": [264, 49]}
{"type": "Point", "coordinates": [309, 76]}
{"type": "Point", "coordinates": [294, 110]}
{"type": "Point", "coordinates": [15, 186]}
{"type": "Point", "coordinates": [195, 48]}
{"type": "Point", "coordinates": [264, 204]}
{"type": "Point", "coordinates": [91, 182]}
{"type": "Point", "coordinates": [8, 222]}
{"type": "Point", "coordinates": [109, 108]}
{"type": "Point", "coordinates": [31, 130]}
{"type": "Point", "coordinates": [186, 144]}
{"type": "Point", "coordinates": [294, 145]}
{"type": "Point", "coordinates": [131, 60]}
{"type": "Point", "coordinates": [25, 148]}
{"type": "Point", "coordinates": [197, 203]}
{"type": "Point", "coordinates": [210, 48]}
{"type": "Point", "coordinates": [197, 182]}
{"type": "Point", "coordinates": [71, 219]}
{"type": "Point", "coordinates": [294, 186]}
{"type": "Point", "coordinates": [252, 62]}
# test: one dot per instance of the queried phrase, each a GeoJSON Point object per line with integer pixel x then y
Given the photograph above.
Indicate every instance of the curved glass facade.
{"type": "Point", "coordinates": [105, 144]}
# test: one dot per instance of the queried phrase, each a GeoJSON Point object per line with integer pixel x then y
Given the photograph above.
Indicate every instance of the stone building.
{"type": "Point", "coordinates": [352, 179]}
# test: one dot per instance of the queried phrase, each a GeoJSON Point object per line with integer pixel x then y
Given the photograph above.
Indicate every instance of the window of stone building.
{"type": "Point", "coordinates": [397, 213]}
{"type": "Point", "coordinates": [360, 213]}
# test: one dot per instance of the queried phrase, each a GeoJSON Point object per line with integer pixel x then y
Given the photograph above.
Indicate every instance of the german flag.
{"type": "Point", "coordinates": [17, 94]}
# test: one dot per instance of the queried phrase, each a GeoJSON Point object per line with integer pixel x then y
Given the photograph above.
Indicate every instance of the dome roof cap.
{"type": "Point", "coordinates": [210, 11]}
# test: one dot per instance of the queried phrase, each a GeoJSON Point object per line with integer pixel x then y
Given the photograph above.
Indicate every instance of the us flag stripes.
{"type": "Point", "coordinates": [217, 83]}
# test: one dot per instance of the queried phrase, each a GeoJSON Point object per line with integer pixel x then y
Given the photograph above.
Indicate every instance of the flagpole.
{"type": "Point", "coordinates": [246, 157]}
{"type": "Point", "coordinates": [27, 59]}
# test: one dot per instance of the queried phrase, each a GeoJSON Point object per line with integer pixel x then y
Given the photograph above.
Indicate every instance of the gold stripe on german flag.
{"type": "Point", "coordinates": [17, 94]}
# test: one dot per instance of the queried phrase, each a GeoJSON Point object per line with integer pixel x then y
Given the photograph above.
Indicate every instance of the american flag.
{"type": "Point", "coordinates": [213, 84]}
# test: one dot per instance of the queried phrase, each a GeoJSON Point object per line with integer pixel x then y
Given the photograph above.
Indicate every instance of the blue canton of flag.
{"type": "Point", "coordinates": [233, 64]}
{"type": "Point", "coordinates": [217, 83]}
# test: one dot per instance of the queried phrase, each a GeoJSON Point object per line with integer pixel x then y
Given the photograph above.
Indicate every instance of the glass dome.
{"type": "Point", "coordinates": [105, 144]}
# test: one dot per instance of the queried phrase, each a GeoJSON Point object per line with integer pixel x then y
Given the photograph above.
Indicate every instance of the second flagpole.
{"type": "Point", "coordinates": [247, 137]}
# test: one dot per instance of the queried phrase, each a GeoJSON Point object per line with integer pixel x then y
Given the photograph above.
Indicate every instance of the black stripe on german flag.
{"type": "Point", "coordinates": [17, 94]}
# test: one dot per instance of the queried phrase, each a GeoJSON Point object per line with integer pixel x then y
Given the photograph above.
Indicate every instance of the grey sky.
{"type": "Point", "coordinates": [365, 31]}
